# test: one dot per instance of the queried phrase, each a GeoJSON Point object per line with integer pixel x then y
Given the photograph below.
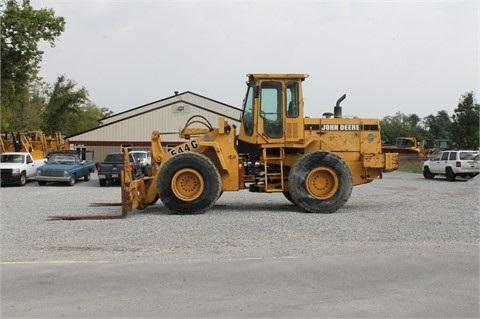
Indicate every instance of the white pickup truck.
{"type": "Point", "coordinates": [18, 167]}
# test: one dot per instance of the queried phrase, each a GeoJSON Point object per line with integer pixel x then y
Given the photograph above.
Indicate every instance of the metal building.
{"type": "Point", "coordinates": [133, 128]}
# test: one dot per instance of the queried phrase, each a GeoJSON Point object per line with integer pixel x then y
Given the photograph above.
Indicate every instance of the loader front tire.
{"type": "Point", "coordinates": [320, 182]}
{"type": "Point", "coordinates": [289, 197]}
{"type": "Point", "coordinates": [189, 183]}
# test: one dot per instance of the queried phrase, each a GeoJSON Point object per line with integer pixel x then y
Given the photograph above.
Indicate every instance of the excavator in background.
{"type": "Point", "coordinates": [314, 162]}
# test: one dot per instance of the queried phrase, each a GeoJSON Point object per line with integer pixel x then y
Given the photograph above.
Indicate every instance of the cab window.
{"type": "Point", "coordinates": [247, 116]}
{"type": "Point", "coordinates": [271, 108]}
{"type": "Point", "coordinates": [292, 99]}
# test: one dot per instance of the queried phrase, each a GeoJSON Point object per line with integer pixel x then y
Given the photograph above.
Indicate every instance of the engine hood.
{"type": "Point", "coordinates": [10, 165]}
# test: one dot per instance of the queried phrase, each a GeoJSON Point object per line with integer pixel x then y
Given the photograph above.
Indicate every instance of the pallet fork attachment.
{"type": "Point", "coordinates": [127, 203]}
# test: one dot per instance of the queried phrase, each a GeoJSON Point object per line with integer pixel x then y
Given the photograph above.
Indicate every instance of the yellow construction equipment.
{"type": "Point", "coordinates": [407, 148]}
{"type": "Point", "coordinates": [314, 162]}
{"type": "Point", "coordinates": [36, 143]}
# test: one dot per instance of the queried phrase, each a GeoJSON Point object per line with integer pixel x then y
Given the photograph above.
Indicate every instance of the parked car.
{"type": "Point", "coordinates": [452, 163]}
{"type": "Point", "coordinates": [18, 167]}
{"type": "Point", "coordinates": [66, 168]}
{"type": "Point", "coordinates": [111, 167]}
{"type": "Point", "coordinates": [144, 158]}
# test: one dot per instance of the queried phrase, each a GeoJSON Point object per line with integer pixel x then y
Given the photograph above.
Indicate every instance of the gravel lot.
{"type": "Point", "coordinates": [403, 211]}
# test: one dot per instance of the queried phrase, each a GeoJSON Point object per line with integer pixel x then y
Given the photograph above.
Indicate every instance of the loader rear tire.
{"type": "Point", "coordinates": [320, 182]}
{"type": "Point", "coordinates": [189, 183]}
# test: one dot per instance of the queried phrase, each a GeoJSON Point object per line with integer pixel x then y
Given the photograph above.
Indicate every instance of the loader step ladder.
{"type": "Point", "coordinates": [277, 155]}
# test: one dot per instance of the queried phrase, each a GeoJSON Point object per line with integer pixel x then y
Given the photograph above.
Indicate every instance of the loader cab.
{"type": "Point", "coordinates": [272, 109]}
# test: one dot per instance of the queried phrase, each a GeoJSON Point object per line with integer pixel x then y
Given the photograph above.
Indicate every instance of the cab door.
{"type": "Point", "coordinates": [294, 132]}
{"type": "Point", "coordinates": [271, 111]}
{"type": "Point", "coordinates": [31, 167]}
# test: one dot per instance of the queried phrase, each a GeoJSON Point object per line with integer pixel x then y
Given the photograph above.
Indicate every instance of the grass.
{"type": "Point", "coordinates": [410, 166]}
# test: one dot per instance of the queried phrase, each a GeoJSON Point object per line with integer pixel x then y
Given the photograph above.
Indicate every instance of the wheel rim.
{"type": "Point", "coordinates": [322, 183]}
{"type": "Point", "coordinates": [187, 184]}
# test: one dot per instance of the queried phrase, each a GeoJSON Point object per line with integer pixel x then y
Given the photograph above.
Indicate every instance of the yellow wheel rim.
{"type": "Point", "coordinates": [322, 183]}
{"type": "Point", "coordinates": [187, 184]}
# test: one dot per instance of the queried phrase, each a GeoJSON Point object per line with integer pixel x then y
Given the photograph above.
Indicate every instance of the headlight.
{"type": "Point", "coordinates": [15, 171]}
{"type": "Point", "coordinates": [65, 174]}
{"type": "Point", "coordinates": [39, 173]}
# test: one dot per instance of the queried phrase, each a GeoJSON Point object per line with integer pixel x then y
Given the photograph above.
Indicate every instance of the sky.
{"type": "Point", "coordinates": [413, 57]}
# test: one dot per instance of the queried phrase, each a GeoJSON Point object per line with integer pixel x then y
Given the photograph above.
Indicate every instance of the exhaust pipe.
{"type": "Point", "coordinates": [337, 110]}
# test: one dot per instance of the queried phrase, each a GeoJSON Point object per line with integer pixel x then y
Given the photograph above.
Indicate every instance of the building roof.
{"type": "Point", "coordinates": [164, 115]}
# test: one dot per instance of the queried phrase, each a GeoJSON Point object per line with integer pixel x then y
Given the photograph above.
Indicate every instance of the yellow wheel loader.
{"type": "Point", "coordinates": [314, 162]}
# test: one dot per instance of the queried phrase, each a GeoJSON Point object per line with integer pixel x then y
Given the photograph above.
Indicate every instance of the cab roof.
{"type": "Point", "coordinates": [278, 76]}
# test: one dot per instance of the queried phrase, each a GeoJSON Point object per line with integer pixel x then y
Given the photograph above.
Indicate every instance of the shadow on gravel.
{"type": "Point", "coordinates": [222, 208]}
{"type": "Point", "coordinates": [252, 207]}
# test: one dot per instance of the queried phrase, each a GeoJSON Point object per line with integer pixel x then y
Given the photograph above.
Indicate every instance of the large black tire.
{"type": "Point", "coordinates": [87, 177]}
{"type": "Point", "coordinates": [103, 182]}
{"type": "Point", "coordinates": [289, 197]}
{"type": "Point", "coordinates": [320, 182]}
{"type": "Point", "coordinates": [450, 175]}
{"type": "Point", "coordinates": [154, 200]}
{"type": "Point", "coordinates": [427, 174]}
{"type": "Point", "coordinates": [189, 183]}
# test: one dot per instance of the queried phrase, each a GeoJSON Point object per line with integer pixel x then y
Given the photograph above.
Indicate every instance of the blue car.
{"type": "Point", "coordinates": [66, 168]}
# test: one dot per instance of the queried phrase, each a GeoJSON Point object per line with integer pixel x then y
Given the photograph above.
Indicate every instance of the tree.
{"type": "Point", "coordinates": [437, 126]}
{"type": "Point", "coordinates": [68, 109]}
{"type": "Point", "coordinates": [465, 126]}
{"type": "Point", "coordinates": [86, 118]}
{"type": "Point", "coordinates": [64, 101]}
{"type": "Point", "coordinates": [22, 28]}
{"type": "Point", "coordinates": [401, 125]}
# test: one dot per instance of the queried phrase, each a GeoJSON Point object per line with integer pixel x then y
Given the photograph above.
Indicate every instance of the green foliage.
{"type": "Point", "coordinates": [465, 126]}
{"type": "Point", "coordinates": [65, 101]}
{"type": "Point", "coordinates": [437, 127]}
{"type": "Point", "coordinates": [401, 125]}
{"type": "Point", "coordinates": [85, 119]}
{"type": "Point", "coordinates": [69, 110]}
{"type": "Point", "coordinates": [462, 128]}
{"type": "Point", "coordinates": [22, 28]}
{"type": "Point", "coordinates": [27, 102]}
{"type": "Point", "coordinates": [411, 166]}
